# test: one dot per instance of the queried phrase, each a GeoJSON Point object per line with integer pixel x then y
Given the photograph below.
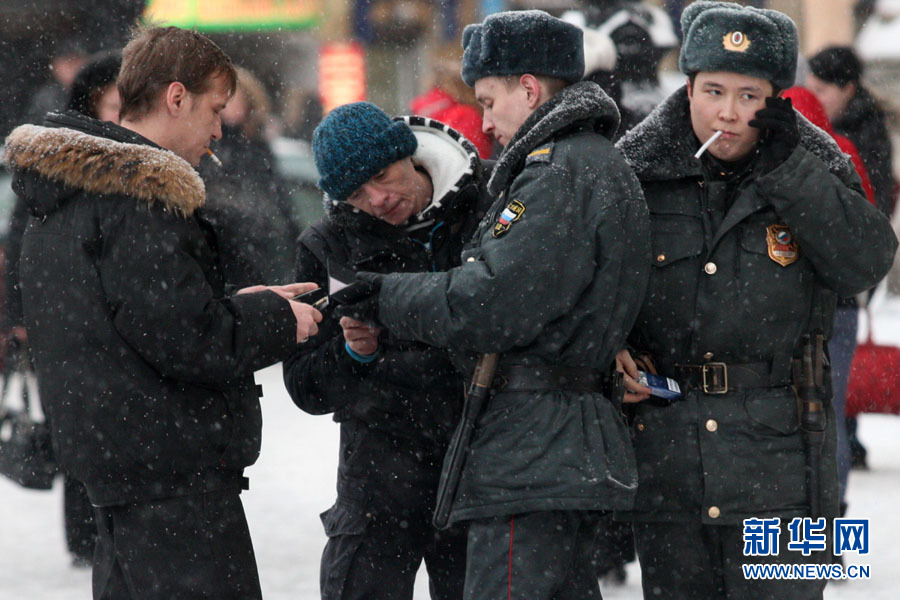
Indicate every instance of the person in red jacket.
{"type": "Point", "coordinates": [451, 102]}
{"type": "Point", "coordinates": [842, 345]}
{"type": "Point", "coordinates": [809, 106]}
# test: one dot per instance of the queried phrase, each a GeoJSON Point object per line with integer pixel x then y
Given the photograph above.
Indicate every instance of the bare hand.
{"type": "Point", "coordinates": [361, 337]}
{"type": "Point", "coordinates": [634, 392]}
{"type": "Point", "coordinates": [285, 291]}
{"type": "Point", "coordinates": [307, 317]}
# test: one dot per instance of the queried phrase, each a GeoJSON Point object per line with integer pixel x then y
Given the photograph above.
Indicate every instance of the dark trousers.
{"type": "Point", "coordinates": [377, 554]}
{"type": "Point", "coordinates": [186, 547]}
{"type": "Point", "coordinates": [535, 556]}
{"type": "Point", "coordinates": [687, 561]}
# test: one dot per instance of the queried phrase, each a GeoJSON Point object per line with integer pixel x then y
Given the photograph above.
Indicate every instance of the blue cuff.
{"type": "Point", "coordinates": [362, 358]}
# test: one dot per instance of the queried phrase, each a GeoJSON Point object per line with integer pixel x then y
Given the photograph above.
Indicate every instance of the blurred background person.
{"type": "Point", "coordinates": [92, 93]}
{"type": "Point", "coordinates": [643, 34]}
{"type": "Point", "coordinates": [94, 90]}
{"type": "Point", "coordinates": [836, 80]}
{"type": "Point", "coordinates": [600, 67]}
{"type": "Point", "coordinates": [247, 201]}
{"type": "Point", "coordinates": [67, 59]}
{"type": "Point", "coordinates": [452, 102]}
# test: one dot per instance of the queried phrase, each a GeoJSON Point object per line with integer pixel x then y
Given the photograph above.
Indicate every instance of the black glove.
{"type": "Point", "coordinates": [359, 300]}
{"type": "Point", "coordinates": [779, 133]}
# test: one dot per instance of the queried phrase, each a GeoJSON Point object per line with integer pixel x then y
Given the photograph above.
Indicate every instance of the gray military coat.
{"type": "Point", "coordinates": [554, 276]}
{"type": "Point", "coordinates": [742, 292]}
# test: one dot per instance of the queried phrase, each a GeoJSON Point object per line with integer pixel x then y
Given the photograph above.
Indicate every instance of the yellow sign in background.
{"type": "Point", "coordinates": [211, 15]}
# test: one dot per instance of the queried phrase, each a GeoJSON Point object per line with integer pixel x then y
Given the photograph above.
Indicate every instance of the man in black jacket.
{"type": "Point", "coordinates": [402, 195]}
{"type": "Point", "coordinates": [146, 364]}
{"type": "Point", "coordinates": [552, 282]}
{"type": "Point", "coordinates": [751, 243]}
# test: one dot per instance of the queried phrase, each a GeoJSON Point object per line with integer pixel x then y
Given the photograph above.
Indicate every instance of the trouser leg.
{"type": "Point", "coordinates": [185, 547]}
{"type": "Point", "coordinates": [535, 556]}
{"type": "Point", "coordinates": [689, 560]}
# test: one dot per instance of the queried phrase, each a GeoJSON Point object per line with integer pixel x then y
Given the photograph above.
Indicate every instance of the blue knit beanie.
{"type": "Point", "coordinates": [353, 143]}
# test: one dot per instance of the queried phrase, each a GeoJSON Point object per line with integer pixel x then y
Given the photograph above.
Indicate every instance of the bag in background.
{"type": "Point", "coordinates": [26, 454]}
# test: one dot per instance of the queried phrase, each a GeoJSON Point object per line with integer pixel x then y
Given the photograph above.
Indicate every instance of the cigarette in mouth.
{"type": "Point", "coordinates": [705, 145]}
{"type": "Point", "coordinates": [218, 162]}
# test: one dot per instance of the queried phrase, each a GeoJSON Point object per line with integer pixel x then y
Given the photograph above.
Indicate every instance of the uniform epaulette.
{"type": "Point", "coordinates": [540, 154]}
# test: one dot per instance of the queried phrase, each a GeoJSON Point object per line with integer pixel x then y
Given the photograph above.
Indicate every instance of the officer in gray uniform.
{"type": "Point", "coordinates": [552, 281]}
{"type": "Point", "coordinates": [751, 243]}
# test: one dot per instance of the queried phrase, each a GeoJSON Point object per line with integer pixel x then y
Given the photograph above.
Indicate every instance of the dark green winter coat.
{"type": "Point", "coordinates": [716, 294]}
{"type": "Point", "coordinates": [554, 276]}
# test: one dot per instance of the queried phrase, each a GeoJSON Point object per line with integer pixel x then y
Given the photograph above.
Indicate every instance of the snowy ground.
{"type": "Point", "coordinates": [294, 481]}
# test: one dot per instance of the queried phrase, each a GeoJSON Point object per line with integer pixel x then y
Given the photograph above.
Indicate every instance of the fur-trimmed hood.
{"type": "Point", "coordinates": [582, 101]}
{"type": "Point", "coordinates": [450, 160]}
{"type": "Point", "coordinates": [74, 153]}
{"type": "Point", "coordinates": [662, 146]}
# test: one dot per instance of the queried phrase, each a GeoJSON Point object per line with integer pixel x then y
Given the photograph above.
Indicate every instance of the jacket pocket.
{"type": "Point", "coordinates": [344, 518]}
{"type": "Point", "coordinates": [674, 238]}
{"type": "Point", "coordinates": [774, 292]}
{"type": "Point", "coordinates": [345, 523]}
{"type": "Point", "coordinates": [773, 412]}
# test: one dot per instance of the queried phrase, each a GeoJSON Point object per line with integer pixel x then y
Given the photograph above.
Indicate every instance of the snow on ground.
{"type": "Point", "coordinates": [294, 481]}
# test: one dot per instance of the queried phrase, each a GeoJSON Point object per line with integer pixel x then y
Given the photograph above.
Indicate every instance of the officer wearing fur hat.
{"type": "Point", "coordinates": [751, 241]}
{"type": "Point", "coordinates": [402, 194]}
{"type": "Point", "coordinates": [551, 282]}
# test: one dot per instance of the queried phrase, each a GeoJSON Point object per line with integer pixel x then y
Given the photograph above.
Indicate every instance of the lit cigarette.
{"type": "Point", "coordinates": [215, 158]}
{"type": "Point", "coordinates": [706, 145]}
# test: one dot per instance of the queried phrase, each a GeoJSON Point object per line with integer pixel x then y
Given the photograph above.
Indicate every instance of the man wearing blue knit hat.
{"type": "Point", "coordinates": [402, 194]}
{"type": "Point", "coordinates": [757, 221]}
{"type": "Point", "coordinates": [551, 283]}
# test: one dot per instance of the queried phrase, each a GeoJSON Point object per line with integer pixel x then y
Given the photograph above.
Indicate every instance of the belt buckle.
{"type": "Point", "coordinates": [715, 378]}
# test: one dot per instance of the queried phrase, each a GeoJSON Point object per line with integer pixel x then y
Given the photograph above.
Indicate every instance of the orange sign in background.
{"type": "Point", "coordinates": [222, 15]}
{"type": "Point", "coordinates": [342, 74]}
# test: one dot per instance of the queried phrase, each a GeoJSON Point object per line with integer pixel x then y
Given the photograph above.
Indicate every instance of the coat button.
{"type": "Point", "coordinates": [710, 268]}
{"type": "Point", "coordinates": [640, 426]}
{"type": "Point", "coordinates": [470, 259]}
{"type": "Point", "coordinates": [708, 356]}
{"type": "Point", "coordinates": [661, 258]}
{"type": "Point", "coordinates": [711, 425]}
{"type": "Point", "coordinates": [714, 512]}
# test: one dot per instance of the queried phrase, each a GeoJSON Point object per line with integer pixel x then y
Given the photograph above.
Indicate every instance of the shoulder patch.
{"type": "Point", "coordinates": [541, 154]}
{"type": "Point", "coordinates": [512, 213]}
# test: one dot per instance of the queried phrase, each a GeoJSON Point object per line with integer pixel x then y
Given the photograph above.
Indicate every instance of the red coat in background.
{"type": "Point", "coordinates": [440, 105]}
{"type": "Point", "coordinates": [809, 106]}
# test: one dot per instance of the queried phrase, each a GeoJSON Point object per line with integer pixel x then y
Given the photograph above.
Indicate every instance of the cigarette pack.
{"type": "Point", "coordinates": [661, 387]}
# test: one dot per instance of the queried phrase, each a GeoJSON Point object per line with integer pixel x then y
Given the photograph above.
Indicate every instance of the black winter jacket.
{"type": "Point", "coordinates": [412, 394]}
{"type": "Point", "coordinates": [864, 123]}
{"type": "Point", "coordinates": [145, 367]}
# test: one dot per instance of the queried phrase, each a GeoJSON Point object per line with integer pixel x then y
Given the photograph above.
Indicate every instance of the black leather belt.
{"type": "Point", "coordinates": [526, 378]}
{"type": "Point", "coordinates": [721, 378]}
